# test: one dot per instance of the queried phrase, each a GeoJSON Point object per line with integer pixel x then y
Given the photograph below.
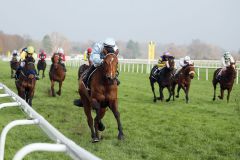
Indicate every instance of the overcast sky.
{"type": "Point", "coordinates": [163, 21]}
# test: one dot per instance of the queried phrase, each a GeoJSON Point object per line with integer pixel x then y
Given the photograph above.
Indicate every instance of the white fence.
{"type": "Point", "coordinates": [144, 65]}
{"type": "Point", "coordinates": [62, 143]}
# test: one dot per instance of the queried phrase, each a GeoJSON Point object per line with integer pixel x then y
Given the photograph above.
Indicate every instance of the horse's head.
{"type": "Point", "coordinates": [110, 64]}
{"type": "Point", "coordinates": [55, 60]}
{"type": "Point", "coordinates": [29, 63]}
{"type": "Point", "coordinates": [232, 65]}
{"type": "Point", "coordinates": [171, 63]}
{"type": "Point", "coordinates": [189, 71]}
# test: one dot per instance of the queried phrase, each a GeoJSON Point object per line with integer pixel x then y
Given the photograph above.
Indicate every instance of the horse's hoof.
{"type": "Point", "coordinates": [177, 96]}
{"type": "Point", "coordinates": [101, 126]}
{"type": "Point", "coordinates": [213, 99]}
{"type": "Point", "coordinates": [120, 137]}
{"type": "Point", "coordinates": [220, 97]}
{"type": "Point", "coordinates": [154, 100]}
{"type": "Point", "coordinates": [58, 93]}
{"type": "Point", "coordinates": [94, 140]}
{"type": "Point", "coordinates": [167, 100]}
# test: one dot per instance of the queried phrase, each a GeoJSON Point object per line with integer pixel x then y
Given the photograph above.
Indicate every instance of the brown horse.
{"type": "Point", "coordinates": [26, 83]}
{"type": "Point", "coordinates": [183, 79]}
{"type": "Point", "coordinates": [14, 63]}
{"type": "Point", "coordinates": [163, 78]}
{"type": "Point", "coordinates": [41, 65]}
{"type": "Point", "coordinates": [226, 81]}
{"type": "Point", "coordinates": [103, 94]}
{"type": "Point", "coordinates": [56, 73]}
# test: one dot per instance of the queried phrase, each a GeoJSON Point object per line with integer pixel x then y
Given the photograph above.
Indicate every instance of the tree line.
{"type": "Point", "coordinates": [129, 50]}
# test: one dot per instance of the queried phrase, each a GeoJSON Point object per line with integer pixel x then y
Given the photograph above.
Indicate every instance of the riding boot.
{"type": "Point", "coordinates": [18, 72]}
{"type": "Point", "coordinates": [36, 75]}
{"type": "Point", "coordinates": [86, 77]}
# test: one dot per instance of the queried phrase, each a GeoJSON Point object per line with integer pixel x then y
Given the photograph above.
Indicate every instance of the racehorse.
{"type": "Point", "coordinates": [226, 81]}
{"type": "Point", "coordinates": [183, 80]}
{"type": "Point", "coordinates": [14, 63]}
{"type": "Point", "coordinates": [26, 82]}
{"type": "Point", "coordinates": [163, 78]}
{"type": "Point", "coordinates": [41, 65]}
{"type": "Point", "coordinates": [102, 94]}
{"type": "Point", "coordinates": [56, 73]}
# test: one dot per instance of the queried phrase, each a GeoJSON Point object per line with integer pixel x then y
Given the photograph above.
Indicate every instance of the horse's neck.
{"type": "Point", "coordinates": [230, 73]}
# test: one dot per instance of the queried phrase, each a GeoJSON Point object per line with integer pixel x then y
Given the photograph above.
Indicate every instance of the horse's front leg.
{"type": "Point", "coordinates": [114, 107]}
{"type": "Point", "coordinates": [43, 75]}
{"type": "Point", "coordinates": [161, 93]}
{"type": "Point", "coordinates": [87, 110]}
{"type": "Point", "coordinates": [228, 94]}
{"type": "Point", "coordinates": [178, 90]}
{"type": "Point", "coordinates": [153, 90]}
{"type": "Point", "coordinates": [96, 106]}
{"type": "Point", "coordinates": [214, 90]}
{"type": "Point", "coordinates": [59, 92]}
{"type": "Point", "coordinates": [52, 88]}
{"type": "Point", "coordinates": [170, 93]}
{"type": "Point", "coordinates": [221, 94]}
{"type": "Point", "coordinates": [186, 90]}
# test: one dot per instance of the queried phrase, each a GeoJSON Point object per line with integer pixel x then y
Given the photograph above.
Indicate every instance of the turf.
{"type": "Point", "coordinates": [202, 129]}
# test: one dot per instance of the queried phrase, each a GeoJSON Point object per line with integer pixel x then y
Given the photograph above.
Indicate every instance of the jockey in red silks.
{"type": "Point", "coordinates": [42, 55]}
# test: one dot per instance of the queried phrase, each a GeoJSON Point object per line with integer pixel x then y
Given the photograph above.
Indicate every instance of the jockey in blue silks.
{"type": "Point", "coordinates": [97, 56]}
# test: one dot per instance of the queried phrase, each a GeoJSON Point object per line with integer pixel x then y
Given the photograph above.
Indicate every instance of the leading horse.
{"type": "Point", "coordinates": [41, 65]}
{"type": "Point", "coordinates": [26, 82]}
{"type": "Point", "coordinates": [183, 80]}
{"type": "Point", "coordinates": [56, 73]}
{"type": "Point", "coordinates": [103, 94]}
{"type": "Point", "coordinates": [163, 78]}
{"type": "Point", "coordinates": [14, 63]}
{"type": "Point", "coordinates": [226, 81]}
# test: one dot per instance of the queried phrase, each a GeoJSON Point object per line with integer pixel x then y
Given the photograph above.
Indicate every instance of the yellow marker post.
{"type": "Point", "coordinates": [85, 56]}
{"type": "Point", "coordinates": [151, 50]}
{"type": "Point", "coordinates": [151, 53]}
{"type": "Point", "coordinates": [8, 54]}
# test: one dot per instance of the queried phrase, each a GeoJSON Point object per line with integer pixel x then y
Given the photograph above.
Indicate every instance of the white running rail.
{"type": "Point", "coordinates": [63, 144]}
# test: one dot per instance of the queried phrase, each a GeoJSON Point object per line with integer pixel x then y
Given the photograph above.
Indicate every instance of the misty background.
{"type": "Point", "coordinates": [202, 29]}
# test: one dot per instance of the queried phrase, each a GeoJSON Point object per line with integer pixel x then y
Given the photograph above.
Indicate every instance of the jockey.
{"type": "Point", "coordinates": [42, 55]}
{"type": "Point", "coordinates": [163, 62]}
{"type": "Point", "coordinates": [27, 52]}
{"type": "Point", "coordinates": [226, 60]}
{"type": "Point", "coordinates": [14, 53]}
{"type": "Point", "coordinates": [183, 62]}
{"type": "Point", "coordinates": [97, 56]}
{"type": "Point", "coordinates": [89, 51]}
{"type": "Point", "coordinates": [62, 59]}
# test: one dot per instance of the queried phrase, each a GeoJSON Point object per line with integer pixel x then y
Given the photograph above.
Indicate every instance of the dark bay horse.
{"type": "Point", "coordinates": [41, 65]}
{"type": "Point", "coordinates": [26, 83]}
{"type": "Point", "coordinates": [103, 94]}
{"type": "Point", "coordinates": [163, 78]}
{"type": "Point", "coordinates": [14, 63]}
{"type": "Point", "coordinates": [183, 80]}
{"type": "Point", "coordinates": [56, 73]}
{"type": "Point", "coordinates": [226, 81]}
